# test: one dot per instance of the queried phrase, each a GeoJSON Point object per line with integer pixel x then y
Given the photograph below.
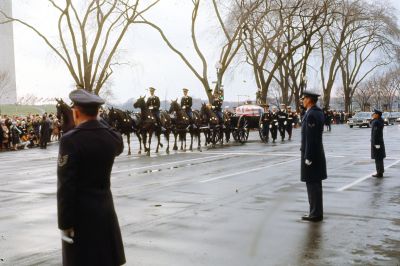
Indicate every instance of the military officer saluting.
{"type": "Point", "coordinates": [186, 103]}
{"type": "Point", "coordinates": [313, 162]}
{"type": "Point", "coordinates": [377, 144]}
{"type": "Point", "coordinates": [86, 216]}
{"type": "Point", "coordinates": [153, 103]}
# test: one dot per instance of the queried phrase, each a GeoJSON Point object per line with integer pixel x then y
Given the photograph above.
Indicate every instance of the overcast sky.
{"type": "Point", "coordinates": [151, 63]}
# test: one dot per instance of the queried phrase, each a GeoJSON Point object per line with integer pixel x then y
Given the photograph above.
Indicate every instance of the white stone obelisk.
{"type": "Point", "coordinates": [8, 90]}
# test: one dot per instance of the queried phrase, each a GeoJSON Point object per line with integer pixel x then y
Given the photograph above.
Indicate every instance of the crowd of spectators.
{"type": "Point", "coordinates": [23, 132]}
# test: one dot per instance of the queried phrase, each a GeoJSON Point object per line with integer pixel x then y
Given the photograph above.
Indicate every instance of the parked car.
{"type": "Point", "coordinates": [389, 118]}
{"type": "Point", "coordinates": [360, 119]}
{"type": "Point", "coordinates": [395, 116]}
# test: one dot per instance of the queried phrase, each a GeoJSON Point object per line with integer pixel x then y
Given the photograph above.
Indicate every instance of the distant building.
{"type": "Point", "coordinates": [8, 90]}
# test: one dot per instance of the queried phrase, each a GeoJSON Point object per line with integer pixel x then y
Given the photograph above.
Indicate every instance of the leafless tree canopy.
{"type": "Point", "coordinates": [89, 34]}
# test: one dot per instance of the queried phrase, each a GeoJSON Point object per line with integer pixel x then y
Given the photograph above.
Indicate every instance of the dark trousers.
{"type": "Point", "coordinates": [289, 129]}
{"type": "Point", "coordinates": [281, 129]}
{"type": "Point", "coordinates": [266, 130]}
{"type": "Point", "coordinates": [314, 191]}
{"type": "Point", "coordinates": [380, 169]}
{"type": "Point", "coordinates": [274, 132]}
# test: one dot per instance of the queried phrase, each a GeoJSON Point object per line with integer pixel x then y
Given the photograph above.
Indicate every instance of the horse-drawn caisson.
{"type": "Point", "coordinates": [180, 121]}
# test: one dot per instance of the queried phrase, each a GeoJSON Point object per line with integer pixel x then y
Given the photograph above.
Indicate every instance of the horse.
{"type": "Point", "coordinates": [216, 128]}
{"type": "Point", "coordinates": [147, 124]}
{"type": "Point", "coordinates": [64, 115]}
{"type": "Point", "coordinates": [56, 132]}
{"type": "Point", "coordinates": [182, 123]}
{"type": "Point", "coordinates": [124, 123]}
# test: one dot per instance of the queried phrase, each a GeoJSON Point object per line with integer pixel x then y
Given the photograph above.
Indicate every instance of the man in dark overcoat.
{"type": "Point", "coordinates": [377, 144]}
{"type": "Point", "coordinates": [313, 163]}
{"type": "Point", "coordinates": [86, 216]}
{"type": "Point", "coordinates": [44, 131]}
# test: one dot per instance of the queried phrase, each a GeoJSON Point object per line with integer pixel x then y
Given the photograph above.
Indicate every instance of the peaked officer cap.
{"type": "Point", "coordinates": [82, 97]}
{"type": "Point", "coordinates": [185, 89]}
{"type": "Point", "coordinates": [378, 112]}
{"type": "Point", "coordinates": [152, 89]}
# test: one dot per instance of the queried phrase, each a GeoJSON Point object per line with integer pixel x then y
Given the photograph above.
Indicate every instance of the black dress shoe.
{"type": "Point", "coordinates": [378, 175]}
{"type": "Point", "coordinates": [312, 219]}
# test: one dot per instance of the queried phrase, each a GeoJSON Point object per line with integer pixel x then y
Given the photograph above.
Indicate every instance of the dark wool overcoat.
{"type": "Point", "coordinates": [84, 198]}
{"type": "Point", "coordinates": [312, 147]}
{"type": "Point", "coordinates": [377, 126]}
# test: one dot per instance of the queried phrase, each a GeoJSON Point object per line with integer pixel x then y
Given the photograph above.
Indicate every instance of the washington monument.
{"type": "Point", "coordinates": [8, 91]}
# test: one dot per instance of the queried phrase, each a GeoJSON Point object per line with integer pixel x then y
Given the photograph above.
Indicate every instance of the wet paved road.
{"type": "Point", "coordinates": [235, 205]}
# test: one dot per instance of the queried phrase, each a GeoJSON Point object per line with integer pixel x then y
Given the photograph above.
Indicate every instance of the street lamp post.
{"type": "Point", "coordinates": [218, 67]}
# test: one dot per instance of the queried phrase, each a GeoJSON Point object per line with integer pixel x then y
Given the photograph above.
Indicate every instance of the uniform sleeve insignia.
{"type": "Point", "coordinates": [62, 160]}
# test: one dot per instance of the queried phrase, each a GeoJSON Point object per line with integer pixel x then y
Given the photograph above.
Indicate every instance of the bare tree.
{"type": "Point", "coordinates": [364, 93]}
{"type": "Point", "coordinates": [89, 35]}
{"type": "Point", "coordinates": [368, 46]}
{"type": "Point", "coordinates": [233, 28]}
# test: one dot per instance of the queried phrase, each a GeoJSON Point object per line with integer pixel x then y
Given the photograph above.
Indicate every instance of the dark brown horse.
{"type": "Point", "coordinates": [147, 125]}
{"type": "Point", "coordinates": [64, 114]}
{"type": "Point", "coordinates": [124, 123]}
{"type": "Point", "coordinates": [182, 123]}
{"type": "Point", "coordinates": [215, 128]}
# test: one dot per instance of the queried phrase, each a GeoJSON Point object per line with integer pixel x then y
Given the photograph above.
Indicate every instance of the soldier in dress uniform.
{"type": "Point", "coordinates": [313, 162]}
{"type": "Point", "coordinates": [153, 103]}
{"type": "Point", "coordinates": [282, 121]}
{"type": "Point", "coordinates": [377, 144]}
{"type": "Point", "coordinates": [217, 107]}
{"type": "Point", "coordinates": [274, 124]}
{"type": "Point", "coordinates": [89, 226]}
{"type": "Point", "coordinates": [291, 119]}
{"type": "Point", "coordinates": [186, 103]}
{"type": "Point", "coordinates": [266, 121]}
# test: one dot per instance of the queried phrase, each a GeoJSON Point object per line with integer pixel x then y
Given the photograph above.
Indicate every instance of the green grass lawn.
{"type": "Point", "coordinates": [12, 109]}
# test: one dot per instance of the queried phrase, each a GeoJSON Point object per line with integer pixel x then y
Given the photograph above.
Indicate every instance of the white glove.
{"type": "Point", "coordinates": [308, 162]}
{"type": "Point", "coordinates": [270, 126]}
{"type": "Point", "coordinates": [378, 146]}
{"type": "Point", "coordinates": [276, 124]}
{"type": "Point", "coordinates": [184, 107]}
{"type": "Point", "coordinates": [151, 107]}
{"type": "Point", "coordinates": [67, 236]}
{"type": "Point", "coordinates": [285, 123]}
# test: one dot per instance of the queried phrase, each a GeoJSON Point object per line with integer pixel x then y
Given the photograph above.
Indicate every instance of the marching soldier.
{"type": "Point", "coordinates": [186, 103]}
{"type": "Point", "coordinates": [89, 226]}
{"type": "Point", "coordinates": [274, 124]}
{"type": "Point", "coordinates": [266, 122]}
{"type": "Point", "coordinates": [377, 144]}
{"type": "Point", "coordinates": [291, 119]}
{"type": "Point", "coordinates": [153, 103]}
{"type": "Point", "coordinates": [282, 121]}
{"type": "Point", "coordinates": [313, 162]}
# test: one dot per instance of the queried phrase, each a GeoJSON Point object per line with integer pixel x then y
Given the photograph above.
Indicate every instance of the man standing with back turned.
{"type": "Point", "coordinates": [313, 163]}
{"type": "Point", "coordinates": [86, 217]}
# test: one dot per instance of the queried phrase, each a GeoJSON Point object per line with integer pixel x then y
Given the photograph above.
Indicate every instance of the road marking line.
{"type": "Point", "coordinates": [271, 154]}
{"type": "Point", "coordinates": [176, 162]}
{"type": "Point", "coordinates": [247, 171]}
{"type": "Point", "coordinates": [361, 179]}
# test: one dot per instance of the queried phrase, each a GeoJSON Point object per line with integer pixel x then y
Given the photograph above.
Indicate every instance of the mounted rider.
{"type": "Point", "coordinates": [153, 103]}
{"type": "Point", "coordinates": [217, 107]}
{"type": "Point", "coordinates": [186, 103]}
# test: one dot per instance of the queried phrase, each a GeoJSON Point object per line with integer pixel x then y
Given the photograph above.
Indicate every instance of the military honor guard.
{"type": "Point", "coordinates": [153, 103]}
{"type": "Point", "coordinates": [378, 152]}
{"type": "Point", "coordinates": [217, 107]}
{"type": "Point", "coordinates": [187, 102]}
{"type": "Point", "coordinates": [274, 124]}
{"type": "Point", "coordinates": [313, 162]}
{"type": "Point", "coordinates": [266, 119]}
{"type": "Point", "coordinates": [291, 120]}
{"type": "Point", "coordinates": [282, 121]}
{"type": "Point", "coordinates": [87, 219]}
